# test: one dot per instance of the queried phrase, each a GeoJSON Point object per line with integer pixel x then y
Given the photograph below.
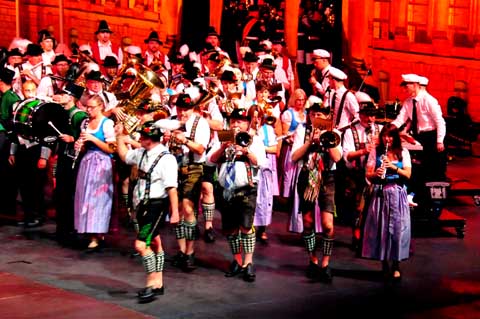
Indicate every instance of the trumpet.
{"type": "Point", "coordinates": [242, 139]}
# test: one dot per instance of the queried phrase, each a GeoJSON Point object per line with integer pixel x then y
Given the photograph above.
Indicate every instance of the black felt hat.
{"type": "Point", "coordinates": [34, 50]}
{"type": "Point", "coordinates": [153, 37]}
{"type": "Point", "coordinates": [94, 76]}
{"type": "Point", "coordinates": [240, 114]}
{"type": "Point", "coordinates": [14, 52]}
{"type": "Point", "coordinates": [150, 130]}
{"type": "Point", "coordinates": [61, 58]}
{"type": "Point", "coordinates": [6, 75]}
{"type": "Point", "coordinates": [44, 35]}
{"type": "Point", "coordinates": [74, 90]}
{"type": "Point", "coordinates": [110, 62]}
{"type": "Point", "coordinates": [103, 27]}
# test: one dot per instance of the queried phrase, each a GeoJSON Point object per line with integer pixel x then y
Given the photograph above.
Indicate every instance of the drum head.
{"type": "Point", "coordinates": [46, 116]}
{"type": "Point", "coordinates": [22, 118]}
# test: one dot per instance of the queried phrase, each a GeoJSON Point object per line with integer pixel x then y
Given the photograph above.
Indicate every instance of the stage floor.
{"type": "Point", "coordinates": [40, 279]}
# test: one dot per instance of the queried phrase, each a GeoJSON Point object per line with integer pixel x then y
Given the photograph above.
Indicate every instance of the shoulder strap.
{"type": "Point", "coordinates": [148, 175]}
{"type": "Point", "coordinates": [340, 108]}
{"type": "Point", "coordinates": [193, 131]}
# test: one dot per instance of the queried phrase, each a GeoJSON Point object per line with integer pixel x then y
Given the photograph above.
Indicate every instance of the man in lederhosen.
{"type": "Point", "coordinates": [238, 176]}
{"type": "Point", "coordinates": [193, 142]}
{"type": "Point", "coordinates": [154, 193]}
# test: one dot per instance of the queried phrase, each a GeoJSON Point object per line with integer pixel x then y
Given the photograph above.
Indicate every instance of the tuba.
{"type": "Point", "coordinates": [138, 90]}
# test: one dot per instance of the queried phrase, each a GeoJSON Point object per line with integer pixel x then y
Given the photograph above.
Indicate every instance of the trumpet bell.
{"type": "Point", "coordinates": [329, 139]}
{"type": "Point", "coordinates": [243, 139]}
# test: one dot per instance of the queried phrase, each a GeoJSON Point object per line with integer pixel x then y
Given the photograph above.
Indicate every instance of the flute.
{"type": "Point", "coordinates": [79, 148]}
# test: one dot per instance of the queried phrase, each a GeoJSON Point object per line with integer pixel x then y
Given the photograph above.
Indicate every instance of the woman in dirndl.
{"type": "Point", "coordinates": [387, 230]}
{"type": "Point", "coordinates": [94, 188]}
{"type": "Point", "coordinates": [294, 116]}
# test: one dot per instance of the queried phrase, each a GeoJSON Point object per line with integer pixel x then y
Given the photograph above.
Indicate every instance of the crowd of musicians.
{"type": "Point", "coordinates": [137, 134]}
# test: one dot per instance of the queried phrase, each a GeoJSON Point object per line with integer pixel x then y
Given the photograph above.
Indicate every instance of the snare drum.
{"type": "Point", "coordinates": [31, 120]}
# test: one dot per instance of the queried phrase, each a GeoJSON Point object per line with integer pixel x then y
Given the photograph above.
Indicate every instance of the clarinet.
{"type": "Point", "coordinates": [384, 156]}
{"type": "Point", "coordinates": [79, 149]}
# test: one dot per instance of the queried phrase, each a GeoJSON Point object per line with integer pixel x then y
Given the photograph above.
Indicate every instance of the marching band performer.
{"type": "Point", "coordinates": [387, 230]}
{"type": "Point", "coordinates": [52, 85]}
{"type": "Point", "coordinates": [193, 143]}
{"type": "Point", "coordinates": [426, 125]}
{"type": "Point", "coordinates": [238, 177]}
{"type": "Point", "coordinates": [359, 139]}
{"type": "Point", "coordinates": [8, 98]}
{"type": "Point", "coordinates": [294, 116]}
{"type": "Point", "coordinates": [342, 102]}
{"type": "Point", "coordinates": [249, 76]}
{"type": "Point", "coordinates": [154, 195]}
{"type": "Point", "coordinates": [65, 172]}
{"type": "Point", "coordinates": [103, 47]}
{"type": "Point", "coordinates": [33, 69]}
{"type": "Point", "coordinates": [321, 70]}
{"type": "Point", "coordinates": [30, 157]}
{"type": "Point", "coordinates": [154, 57]}
{"type": "Point", "coordinates": [315, 189]}
{"type": "Point", "coordinates": [94, 185]}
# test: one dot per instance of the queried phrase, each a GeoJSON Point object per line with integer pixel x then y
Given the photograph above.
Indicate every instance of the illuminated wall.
{"type": "Point", "coordinates": [439, 39]}
{"type": "Point", "coordinates": [132, 18]}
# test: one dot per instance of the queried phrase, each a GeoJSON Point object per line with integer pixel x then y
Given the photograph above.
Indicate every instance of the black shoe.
{"type": "Point", "coordinates": [159, 291]}
{"type": "Point", "coordinates": [33, 223]}
{"type": "Point", "coordinates": [234, 269]}
{"type": "Point", "coordinates": [21, 223]}
{"type": "Point", "coordinates": [249, 273]}
{"type": "Point", "coordinates": [209, 235]}
{"type": "Point", "coordinates": [146, 295]}
{"type": "Point", "coordinates": [313, 270]}
{"type": "Point", "coordinates": [189, 263]}
{"type": "Point", "coordinates": [325, 275]}
{"type": "Point", "coordinates": [179, 260]}
{"type": "Point", "coordinates": [396, 279]}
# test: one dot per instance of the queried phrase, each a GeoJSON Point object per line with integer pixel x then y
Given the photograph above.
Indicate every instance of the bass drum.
{"type": "Point", "coordinates": [31, 120]}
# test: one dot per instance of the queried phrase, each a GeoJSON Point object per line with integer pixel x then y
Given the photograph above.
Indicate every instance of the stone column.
{"type": "Point", "coordinates": [216, 7]}
{"type": "Point", "coordinates": [398, 14]}
{"type": "Point", "coordinates": [440, 41]}
{"type": "Point", "coordinates": [358, 36]}
{"type": "Point", "coordinates": [291, 26]}
{"type": "Point", "coordinates": [170, 20]}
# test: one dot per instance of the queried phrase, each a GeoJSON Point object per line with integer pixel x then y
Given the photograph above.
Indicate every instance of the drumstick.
{"type": "Point", "coordinates": [56, 129]}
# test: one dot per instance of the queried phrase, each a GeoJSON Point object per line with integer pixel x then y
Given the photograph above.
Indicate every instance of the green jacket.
{"type": "Point", "coordinates": [6, 108]}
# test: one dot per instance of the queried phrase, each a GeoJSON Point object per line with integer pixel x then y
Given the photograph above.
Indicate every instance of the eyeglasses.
{"type": "Point", "coordinates": [91, 107]}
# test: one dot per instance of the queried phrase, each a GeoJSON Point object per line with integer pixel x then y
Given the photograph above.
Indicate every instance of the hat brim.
{"type": "Point", "coordinates": [104, 30]}
{"type": "Point", "coordinates": [156, 40]}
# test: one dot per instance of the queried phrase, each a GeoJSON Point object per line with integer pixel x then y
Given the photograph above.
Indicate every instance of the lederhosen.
{"type": "Point", "coordinates": [190, 172]}
{"type": "Point", "coordinates": [150, 211]}
{"type": "Point", "coordinates": [240, 209]}
{"type": "Point", "coordinates": [356, 176]}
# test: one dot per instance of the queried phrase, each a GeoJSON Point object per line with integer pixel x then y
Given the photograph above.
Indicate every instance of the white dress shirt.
{"type": "Point", "coordinates": [164, 175]}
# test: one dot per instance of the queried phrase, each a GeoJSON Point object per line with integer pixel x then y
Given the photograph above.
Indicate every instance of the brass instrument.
{"type": "Point", "coordinates": [229, 105]}
{"type": "Point", "coordinates": [242, 139]}
{"type": "Point", "coordinates": [224, 62]}
{"type": "Point", "coordinates": [213, 92]}
{"type": "Point", "coordinates": [157, 65]}
{"type": "Point", "coordinates": [329, 138]}
{"type": "Point", "coordinates": [138, 91]}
